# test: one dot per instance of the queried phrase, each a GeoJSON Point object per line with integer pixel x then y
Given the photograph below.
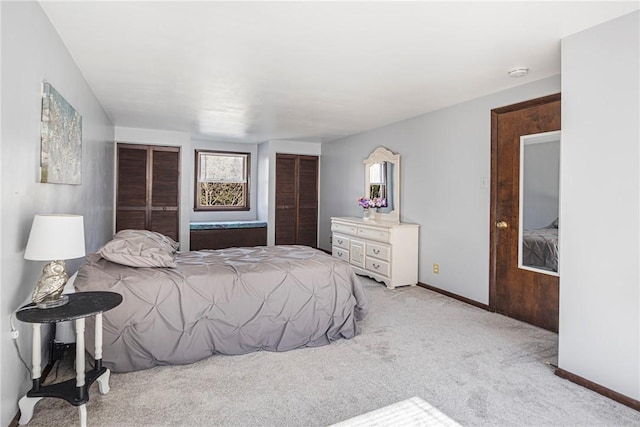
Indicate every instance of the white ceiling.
{"type": "Point", "coordinates": [253, 71]}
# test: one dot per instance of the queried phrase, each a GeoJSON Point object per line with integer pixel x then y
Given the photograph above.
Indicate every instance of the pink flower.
{"type": "Point", "coordinates": [378, 202]}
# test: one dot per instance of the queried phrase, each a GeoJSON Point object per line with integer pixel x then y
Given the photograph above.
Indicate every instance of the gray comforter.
{"type": "Point", "coordinates": [540, 248]}
{"type": "Point", "coordinates": [229, 301]}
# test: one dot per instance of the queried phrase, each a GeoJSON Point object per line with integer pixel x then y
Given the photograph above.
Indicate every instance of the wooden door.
{"type": "Point", "coordinates": [307, 218]}
{"type": "Point", "coordinates": [286, 199]}
{"type": "Point", "coordinates": [296, 200]}
{"type": "Point", "coordinates": [163, 209]}
{"type": "Point", "coordinates": [147, 193]}
{"type": "Point", "coordinates": [522, 294]}
{"type": "Point", "coordinates": [131, 189]}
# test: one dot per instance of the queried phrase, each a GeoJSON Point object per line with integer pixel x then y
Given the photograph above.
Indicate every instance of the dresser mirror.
{"type": "Point", "coordinates": [539, 202]}
{"type": "Point", "coordinates": [382, 179]}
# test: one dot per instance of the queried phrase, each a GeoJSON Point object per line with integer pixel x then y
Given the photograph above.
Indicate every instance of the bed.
{"type": "Point", "coordinates": [181, 307]}
{"type": "Point", "coordinates": [540, 247]}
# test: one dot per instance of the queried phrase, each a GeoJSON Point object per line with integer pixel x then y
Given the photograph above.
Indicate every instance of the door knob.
{"type": "Point", "coordinates": [502, 225]}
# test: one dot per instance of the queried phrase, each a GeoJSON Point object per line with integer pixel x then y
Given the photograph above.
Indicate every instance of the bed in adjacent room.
{"type": "Point", "coordinates": [182, 307]}
{"type": "Point", "coordinates": [540, 247]}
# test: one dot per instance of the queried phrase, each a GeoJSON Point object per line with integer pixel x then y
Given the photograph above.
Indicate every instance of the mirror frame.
{"type": "Point", "coordinates": [379, 155]}
{"type": "Point", "coordinates": [535, 138]}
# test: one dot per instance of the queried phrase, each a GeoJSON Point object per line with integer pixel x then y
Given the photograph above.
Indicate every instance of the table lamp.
{"type": "Point", "coordinates": [54, 238]}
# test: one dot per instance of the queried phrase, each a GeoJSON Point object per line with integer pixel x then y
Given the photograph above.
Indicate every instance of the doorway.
{"type": "Point", "coordinates": [526, 294]}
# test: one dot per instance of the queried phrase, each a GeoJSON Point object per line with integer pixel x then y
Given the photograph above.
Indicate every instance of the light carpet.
{"type": "Point", "coordinates": [478, 368]}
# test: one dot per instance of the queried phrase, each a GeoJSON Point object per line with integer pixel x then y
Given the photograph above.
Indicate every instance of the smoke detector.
{"type": "Point", "coordinates": [518, 72]}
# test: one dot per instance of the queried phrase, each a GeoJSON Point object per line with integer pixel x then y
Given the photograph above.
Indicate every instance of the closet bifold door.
{"type": "Point", "coordinates": [131, 190]}
{"type": "Point", "coordinates": [307, 201]}
{"type": "Point", "coordinates": [286, 212]}
{"type": "Point", "coordinates": [147, 193]}
{"type": "Point", "coordinates": [296, 200]}
{"type": "Point", "coordinates": [165, 184]}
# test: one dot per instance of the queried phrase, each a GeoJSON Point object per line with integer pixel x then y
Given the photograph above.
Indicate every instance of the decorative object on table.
{"type": "Point", "coordinates": [61, 140]}
{"type": "Point", "coordinates": [370, 206]}
{"type": "Point", "coordinates": [57, 238]}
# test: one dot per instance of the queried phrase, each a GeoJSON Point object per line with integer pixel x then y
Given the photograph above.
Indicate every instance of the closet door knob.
{"type": "Point", "coordinates": [502, 225]}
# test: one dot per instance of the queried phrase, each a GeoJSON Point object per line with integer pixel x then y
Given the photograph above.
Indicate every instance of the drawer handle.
{"type": "Point", "coordinates": [340, 254]}
{"type": "Point", "coordinates": [376, 251]}
{"type": "Point", "coordinates": [376, 266]}
{"type": "Point", "coordinates": [340, 242]}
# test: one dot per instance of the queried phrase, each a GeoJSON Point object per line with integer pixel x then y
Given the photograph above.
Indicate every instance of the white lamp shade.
{"type": "Point", "coordinates": [55, 237]}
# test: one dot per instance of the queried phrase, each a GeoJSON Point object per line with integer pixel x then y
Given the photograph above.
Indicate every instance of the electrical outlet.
{"type": "Point", "coordinates": [436, 268]}
{"type": "Point", "coordinates": [15, 334]}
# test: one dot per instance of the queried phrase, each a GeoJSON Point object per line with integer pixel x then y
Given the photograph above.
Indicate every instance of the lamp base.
{"type": "Point", "coordinates": [48, 291]}
{"type": "Point", "coordinates": [53, 302]}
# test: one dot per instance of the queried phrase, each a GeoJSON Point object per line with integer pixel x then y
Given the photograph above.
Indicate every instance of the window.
{"type": "Point", "coordinates": [378, 180]}
{"type": "Point", "coordinates": [222, 181]}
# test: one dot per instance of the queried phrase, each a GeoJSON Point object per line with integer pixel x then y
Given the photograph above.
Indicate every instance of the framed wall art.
{"type": "Point", "coordinates": [61, 140]}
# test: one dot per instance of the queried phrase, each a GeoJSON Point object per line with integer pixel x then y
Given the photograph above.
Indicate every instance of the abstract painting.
{"type": "Point", "coordinates": [61, 139]}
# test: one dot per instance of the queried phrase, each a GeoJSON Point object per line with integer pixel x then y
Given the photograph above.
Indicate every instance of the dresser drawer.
{"type": "Point", "coordinates": [377, 266]}
{"type": "Point", "coordinates": [340, 241]}
{"type": "Point", "coordinates": [341, 253]}
{"type": "Point", "coordinates": [344, 228]}
{"type": "Point", "coordinates": [373, 234]}
{"type": "Point", "coordinates": [356, 253]}
{"type": "Point", "coordinates": [382, 252]}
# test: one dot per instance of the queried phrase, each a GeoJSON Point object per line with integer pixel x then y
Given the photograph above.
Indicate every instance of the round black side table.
{"type": "Point", "coordinates": [75, 391]}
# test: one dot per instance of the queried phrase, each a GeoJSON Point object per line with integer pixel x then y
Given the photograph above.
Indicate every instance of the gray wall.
{"type": "Point", "coordinates": [600, 206]}
{"type": "Point", "coordinates": [541, 195]}
{"type": "Point", "coordinates": [32, 53]}
{"type": "Point", "coordinates": [445, 158]}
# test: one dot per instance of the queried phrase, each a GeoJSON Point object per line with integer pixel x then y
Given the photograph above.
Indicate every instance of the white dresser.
{"type": "Point", "coordinates": [384, 251]}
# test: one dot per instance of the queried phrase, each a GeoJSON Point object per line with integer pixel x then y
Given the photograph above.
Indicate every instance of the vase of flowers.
{"type": "Point", "coordinates": [370, 206]}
